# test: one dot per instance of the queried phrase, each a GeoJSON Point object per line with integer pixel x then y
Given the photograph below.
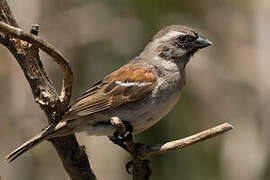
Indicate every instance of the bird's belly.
{"type": "Point", "coordinates": [154, 111]}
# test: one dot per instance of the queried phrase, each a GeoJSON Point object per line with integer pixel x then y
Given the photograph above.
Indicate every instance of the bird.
{"type": "Point", "coordinates": [141, 92]}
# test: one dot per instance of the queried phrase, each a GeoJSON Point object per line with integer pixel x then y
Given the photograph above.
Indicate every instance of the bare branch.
{"type": "Point", "coordinates": [25, 49]}
{"type": "Point", "coordinates": [51, 51]}
{"type": "Point", "coordinates": [6, 15]}
{"type": "Point", "coordinates": [152, 150]}
{"type": "Point", "coordinates": [140, 152]}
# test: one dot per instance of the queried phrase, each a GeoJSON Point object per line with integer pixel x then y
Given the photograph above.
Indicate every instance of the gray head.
{"type": "Point", "coordinates": [176, 43]}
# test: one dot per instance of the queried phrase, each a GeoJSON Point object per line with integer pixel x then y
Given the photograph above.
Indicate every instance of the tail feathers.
{"type": "Point", "coordinates": [45, 134]}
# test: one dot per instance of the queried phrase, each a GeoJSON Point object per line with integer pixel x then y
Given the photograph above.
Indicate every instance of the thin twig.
{"type": "Point", "coordinates": [51, 51]}
{"type": "Point", "coordinates": [140, 152]}
{"type": "Point", "coordinates": [152, 150]}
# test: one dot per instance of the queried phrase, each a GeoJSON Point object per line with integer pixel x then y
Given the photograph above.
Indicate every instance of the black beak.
{"type": "Point", "coordinates": [201, 42]}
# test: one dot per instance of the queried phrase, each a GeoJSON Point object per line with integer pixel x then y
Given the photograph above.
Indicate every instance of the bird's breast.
{"type": "Point", "coordinates": [159, 103]}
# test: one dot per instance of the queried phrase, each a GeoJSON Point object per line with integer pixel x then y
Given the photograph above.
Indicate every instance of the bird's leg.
{"type": "Point", "coordinates": [118, 140]}
{"type": "Point", "coordinates": [123, 138]}
{"type": "Point", "coordinates": [122, 134]}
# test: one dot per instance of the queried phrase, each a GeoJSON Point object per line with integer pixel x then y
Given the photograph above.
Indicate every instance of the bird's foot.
{"type": "Point", "coordinates": [120, 139]}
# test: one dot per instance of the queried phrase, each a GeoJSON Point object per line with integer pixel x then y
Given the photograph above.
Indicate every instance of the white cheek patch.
{"type": "Point", "coordinates": [128, 84]}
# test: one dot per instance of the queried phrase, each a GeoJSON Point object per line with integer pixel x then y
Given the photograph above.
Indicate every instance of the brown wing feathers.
{"type": "Point", "coordinates": [122, 86]}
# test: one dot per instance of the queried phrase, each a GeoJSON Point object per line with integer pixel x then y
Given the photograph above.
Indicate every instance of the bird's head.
{"type": "Point", "coordinates": [176, 43]}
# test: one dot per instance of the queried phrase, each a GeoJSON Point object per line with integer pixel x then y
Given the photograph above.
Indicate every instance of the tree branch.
{"type": "Point", "coordinates": [25, 49]}
{"type": "Point", "coordinates": [51, 51]}
{"type": "Point", "coordinates": [153, 150]}
{"type": "Point", "coordinates": [140, 152]}
{"type": "Point", "coordinates": [6, 14]}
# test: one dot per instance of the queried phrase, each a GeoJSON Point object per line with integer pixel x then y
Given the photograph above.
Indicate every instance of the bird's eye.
{"type": "Point", "coordinates": [183, 39]}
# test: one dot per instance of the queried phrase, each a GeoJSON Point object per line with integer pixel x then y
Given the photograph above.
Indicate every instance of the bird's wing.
{"type": "Point", "coordinates": [127, 84]}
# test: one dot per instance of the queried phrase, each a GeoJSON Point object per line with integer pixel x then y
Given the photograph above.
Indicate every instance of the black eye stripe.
{"type": "Point", "coordinates": [185, 38]}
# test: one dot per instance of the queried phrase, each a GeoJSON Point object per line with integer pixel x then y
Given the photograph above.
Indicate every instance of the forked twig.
{"type": "Point", "coordinates": [51, 51]}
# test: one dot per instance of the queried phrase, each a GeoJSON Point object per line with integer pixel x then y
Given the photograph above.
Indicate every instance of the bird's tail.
{"type": "Point", "coordinates": [45, 134]}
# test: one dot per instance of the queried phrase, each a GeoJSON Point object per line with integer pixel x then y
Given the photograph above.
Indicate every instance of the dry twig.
{"type": "Point", "coordinates": [140, 152]}
{"type": "Point", "coordinates": [51, 51]}
{"type": "Point", "coordinates": [24, 47]}
{"type": "Point", "coordinates": [152, 150]}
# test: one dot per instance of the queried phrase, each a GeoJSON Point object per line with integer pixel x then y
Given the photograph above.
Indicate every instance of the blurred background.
{"type": "Point", "coordinates": [227, 82]}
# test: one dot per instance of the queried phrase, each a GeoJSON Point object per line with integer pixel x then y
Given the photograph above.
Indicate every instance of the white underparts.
{"type": "Point", "coordinates": [128, 84]}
